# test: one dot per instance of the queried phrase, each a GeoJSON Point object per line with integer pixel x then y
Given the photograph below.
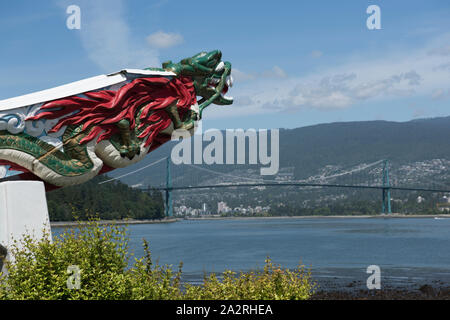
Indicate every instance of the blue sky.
{"type": "Point", "coordinates": [295, 63]}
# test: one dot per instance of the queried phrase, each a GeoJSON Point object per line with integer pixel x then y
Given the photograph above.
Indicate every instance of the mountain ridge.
{"type": "Point", "coordinates": [347, 143]}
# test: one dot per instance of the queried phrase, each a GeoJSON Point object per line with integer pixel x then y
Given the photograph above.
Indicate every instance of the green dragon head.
{"type": "Point", "coordinates": [211, 76]}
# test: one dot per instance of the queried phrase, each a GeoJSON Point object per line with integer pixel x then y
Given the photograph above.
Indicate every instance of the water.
{"type": "Point", "coordinates": [408, 251]}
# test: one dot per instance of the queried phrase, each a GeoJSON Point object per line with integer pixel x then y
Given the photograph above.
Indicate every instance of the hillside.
{"type": "Point", "coordinates": [349, 143]}
{"type": "Point", "coordinates": [418, 151]}
{"type": "Point", "coordinates": [113, 200]}
{"type": "Point", "coordinates": [344, 144]}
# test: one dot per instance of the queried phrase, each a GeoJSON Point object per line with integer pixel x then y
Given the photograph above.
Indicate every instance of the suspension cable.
{"type": "Point", "coordinates": [132, 172]}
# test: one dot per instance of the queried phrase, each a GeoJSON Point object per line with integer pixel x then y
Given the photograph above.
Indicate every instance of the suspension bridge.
{"type": "Point", "coordinates": [375, 176]}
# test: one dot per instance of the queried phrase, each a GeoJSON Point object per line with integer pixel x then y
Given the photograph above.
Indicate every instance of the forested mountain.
{"type": "Point", "coordinates": [112, 200]}
{"type": "Point", "coordinates": [309, 149]}
{"type": "Point", "coordinates": [349, 143]}
{"type": "Point", "coordinates": [418, 152]}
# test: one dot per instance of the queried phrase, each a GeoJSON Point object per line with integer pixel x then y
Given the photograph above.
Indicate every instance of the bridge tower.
{"type": "Point", "coordinates": [168, 200]}
{"type": "Point", "coordinates": [386, 189]}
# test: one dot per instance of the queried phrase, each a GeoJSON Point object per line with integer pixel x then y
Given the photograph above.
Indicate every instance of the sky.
{"type": "Point", "coordinates": [295, 63]}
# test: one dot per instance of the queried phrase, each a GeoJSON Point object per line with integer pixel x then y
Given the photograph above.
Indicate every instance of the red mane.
{"type": "Point", "coordinates": [104, 108]}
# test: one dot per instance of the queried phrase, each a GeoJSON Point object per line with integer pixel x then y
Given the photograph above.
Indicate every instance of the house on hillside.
{"type": "Point", "coordinates": [444, 204]}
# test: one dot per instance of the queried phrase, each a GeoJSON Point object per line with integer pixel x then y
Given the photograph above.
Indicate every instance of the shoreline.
{"type": "Point", "coordinates": [58, 224]}
{"type": "Point", "coordinates": [425, 292]}
{"type": "Point", "coordinates": [434, 290]}
{"type": "Point", "coordinates": [383, 216]}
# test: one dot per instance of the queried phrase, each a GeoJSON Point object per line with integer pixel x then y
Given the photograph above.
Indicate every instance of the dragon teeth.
{"type": "Point", "coordinates": [220, 66]}
{"type": "Point", "coordinates": [226, 97]}
{"type": "Point", "coordinates": [229, 81]}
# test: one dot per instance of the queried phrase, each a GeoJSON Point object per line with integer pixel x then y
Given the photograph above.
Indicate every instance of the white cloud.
{"type": "Point", "coordinates": [107, 38]}
{"type": "Point", "coordinates": [277, 72]}
{"type": "Point", "coordinates": [439, 94]}
{"type": "Point", "coordinates": [162, 40]}
{"type": "Point", "coordinates": [443, 51]}
{"type": "Point", "coordinates": [274, 73]}
{"type": "Point", "coordinates": [419, 113]}
{"type": "Point", "coordinates": [316, 54]}
{"type": "Point", "coordinates": [394, 75]}
{"type": "Point", "coordinates": [442, 67]}
{"type": "Point", "coordinates": [240, 76]}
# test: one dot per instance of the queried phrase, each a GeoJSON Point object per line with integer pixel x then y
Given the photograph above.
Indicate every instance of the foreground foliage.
{"type": "Point", "coordinates": [40, 271]}
{"type": "Point", "coordinates": [273, 283]}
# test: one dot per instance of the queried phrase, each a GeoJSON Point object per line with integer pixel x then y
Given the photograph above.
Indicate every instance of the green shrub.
{"type": "Point", "coordinates": [40, 271]}
{"type": "Point", "coordinates": [273, 283]}
{"type": "Point", "coordinates": [40, 268]}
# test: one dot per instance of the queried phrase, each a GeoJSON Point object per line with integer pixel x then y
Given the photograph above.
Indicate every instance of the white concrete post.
{"type": "Point", "coordinates": [23, 209]}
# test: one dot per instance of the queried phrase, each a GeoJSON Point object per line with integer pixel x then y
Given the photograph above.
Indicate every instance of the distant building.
{"type": "Point", "coordinates": [222, 207]}
{"type": "Point", "coordinates": [444, 204]}
{"type": "Point", "coordinates": [444, 199]}
{"type": "Point", "coordinates": [420, 199]}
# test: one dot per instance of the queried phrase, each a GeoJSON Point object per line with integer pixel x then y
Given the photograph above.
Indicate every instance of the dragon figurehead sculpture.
{"type": "Point", "coordinates": [69, 134]}
{"type": "Point", "coordinates": [211, 76]}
